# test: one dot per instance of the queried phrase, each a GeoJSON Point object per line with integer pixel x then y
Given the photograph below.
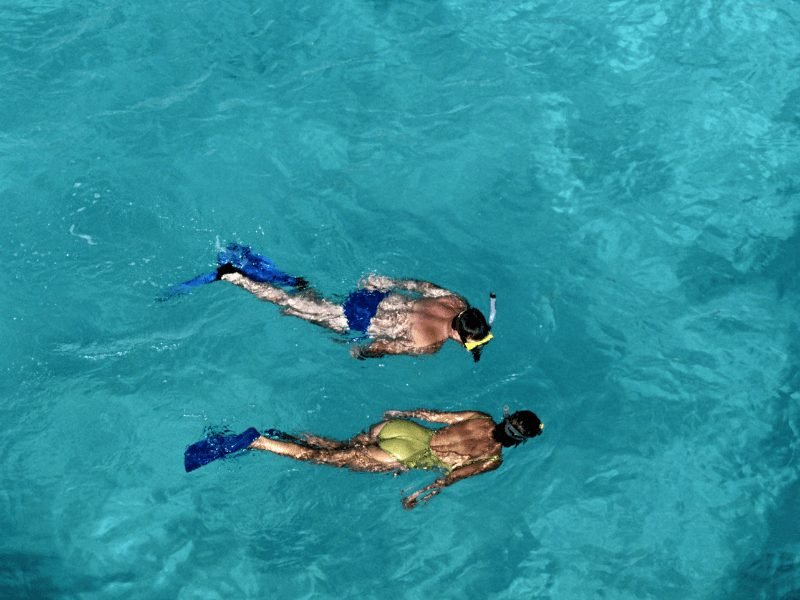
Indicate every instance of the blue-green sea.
{"type": "Point", "coordinates": [624, 175]}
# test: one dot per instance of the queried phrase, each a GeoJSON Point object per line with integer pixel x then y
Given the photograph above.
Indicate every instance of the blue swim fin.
{"type": "Point", "coordinates": [240, 258]}
{"type": "Point", "coordinates": [187, 286]}
{"type": "Point", "coordinates": [257, 267]}
{"type": "Point", "coordinates": [217, 446]}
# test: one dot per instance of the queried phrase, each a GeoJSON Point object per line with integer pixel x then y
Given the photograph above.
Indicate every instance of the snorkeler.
{"type": "Point", "coordinates": [399, 316]}
{"type": "Point", "coordinates": [470, 443]}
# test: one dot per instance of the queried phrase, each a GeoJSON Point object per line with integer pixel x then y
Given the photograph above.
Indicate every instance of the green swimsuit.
{"type": "Point", "coordinates": [410, 444]}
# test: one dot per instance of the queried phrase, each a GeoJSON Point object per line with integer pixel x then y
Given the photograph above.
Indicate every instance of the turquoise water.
{"type": "Point", "coordinates": [623, 175]}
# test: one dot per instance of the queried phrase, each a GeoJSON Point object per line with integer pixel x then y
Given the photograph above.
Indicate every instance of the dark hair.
{"type": "Point", "coordinates": [471, 324]}
{"type": "Point", "coordinates": [524, 422]}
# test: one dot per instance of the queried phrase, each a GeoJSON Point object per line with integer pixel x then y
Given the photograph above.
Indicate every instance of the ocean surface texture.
{"type": "Point", "coordinates": [624, 175]}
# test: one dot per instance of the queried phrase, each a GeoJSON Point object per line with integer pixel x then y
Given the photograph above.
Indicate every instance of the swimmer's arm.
{"type": "Point", "coordinates": [424, 288]}
{"type": "Point", "coordinates": [435, 416]}
{"type": "Point", "coordinates": [470, 470]}
{"type": "Point", "coordinates": [380, 348]}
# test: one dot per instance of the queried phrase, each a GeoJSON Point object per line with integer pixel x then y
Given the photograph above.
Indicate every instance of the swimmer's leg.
{"type": "Point", "coordinates": [304, 305]}
{"type": "Point", "coordinates": [356, 458]}
{"type": "Point", "coordinates": [317, 441]}
{"type": "Point", "coordinates": [362, 439]}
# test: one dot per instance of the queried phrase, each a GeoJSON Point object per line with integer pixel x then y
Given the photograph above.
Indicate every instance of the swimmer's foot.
{"type": "Point", "coordinates": [226, 269]}
{"type": "Point", "coordinates": [257, 267]}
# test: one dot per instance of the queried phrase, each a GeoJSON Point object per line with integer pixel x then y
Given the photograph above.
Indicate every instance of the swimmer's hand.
{"type": "Point", "coordinates": [358, 352]}
{"type": "Point", "coordinates": [376, 282]}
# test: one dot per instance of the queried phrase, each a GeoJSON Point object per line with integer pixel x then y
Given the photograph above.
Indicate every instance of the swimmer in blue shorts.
{"type": "Point", "coordinates": [469, 443]}
{"type": "Point", "coordinates": [399, 316]}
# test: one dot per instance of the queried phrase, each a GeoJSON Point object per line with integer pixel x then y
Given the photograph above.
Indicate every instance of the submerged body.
{"type": "Point", "coordinates": [418, 321]}
{"type": "Point", "coordinates": [470, 443]}
{"type": "Point", "coordinates": [400, 316]}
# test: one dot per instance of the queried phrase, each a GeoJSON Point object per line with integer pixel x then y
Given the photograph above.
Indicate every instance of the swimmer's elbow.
{"type": "Point", "coordinates": [365, 352]}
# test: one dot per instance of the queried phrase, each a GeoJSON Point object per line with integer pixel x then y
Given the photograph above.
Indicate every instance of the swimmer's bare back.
{"type": "Point", "coordinates": [423, 323]}
{"type": "Point", "coordinates": [409, 325]}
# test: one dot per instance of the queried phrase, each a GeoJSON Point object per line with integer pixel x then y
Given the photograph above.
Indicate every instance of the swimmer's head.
{"type": "Point", "coordinates": [517, 428]}
{"type": "Point", "coordinates": [473, 331]}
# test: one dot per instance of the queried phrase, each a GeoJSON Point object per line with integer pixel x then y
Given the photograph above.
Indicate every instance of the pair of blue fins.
{"type": "Point", "coordinates": [242, 259]}
{"type": "Point", "coordinates": [238, 257]}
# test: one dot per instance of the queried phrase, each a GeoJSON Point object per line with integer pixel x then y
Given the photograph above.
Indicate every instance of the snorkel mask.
{"type": "Point", "coordinates": [509, 429]}
{"type": "Point", "coordinates": [470, 346]}
{"type": "Point", "coordinates": [513, 432]}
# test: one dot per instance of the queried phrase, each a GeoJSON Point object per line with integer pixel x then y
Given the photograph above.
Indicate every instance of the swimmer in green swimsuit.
{"type": "Point", "coordinates": [470, 443]}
